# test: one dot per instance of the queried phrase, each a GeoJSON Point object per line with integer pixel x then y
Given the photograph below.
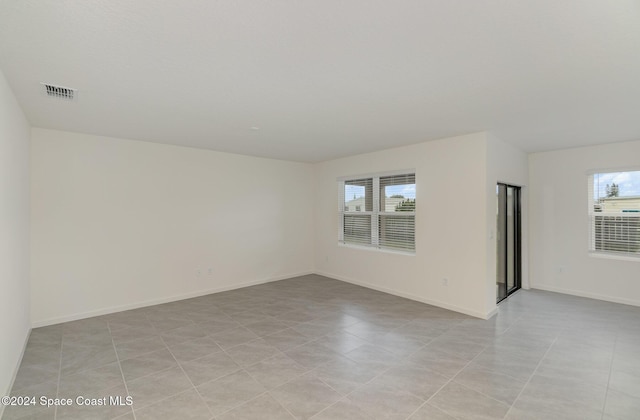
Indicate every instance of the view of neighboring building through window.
{"type": "Point", "coordinates": [379, 211]}
{"type": "Point", "coordinates": [614, 210]}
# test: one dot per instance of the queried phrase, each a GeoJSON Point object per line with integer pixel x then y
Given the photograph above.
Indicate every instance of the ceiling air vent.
{"type": "Point", "coordinates": [60, 92]}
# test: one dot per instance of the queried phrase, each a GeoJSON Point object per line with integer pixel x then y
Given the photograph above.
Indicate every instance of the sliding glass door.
{"type": "Point", "coordinates": [508, 230]}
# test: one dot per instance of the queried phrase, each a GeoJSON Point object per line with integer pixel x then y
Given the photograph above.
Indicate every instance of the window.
{"type": "Point", "coordinates": [614, 213]}
{"type": "Point", "coordinates": [379, 211]}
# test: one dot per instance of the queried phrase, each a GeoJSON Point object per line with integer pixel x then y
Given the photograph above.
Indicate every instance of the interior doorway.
{"type": "Point", "coordinates": [508, 235]}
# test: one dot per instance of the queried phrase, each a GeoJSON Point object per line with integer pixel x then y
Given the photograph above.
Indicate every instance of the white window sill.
{"type": "Point", "coordinates": [610, 256]}
{"type": "Point", "coordinates": [376, 249]}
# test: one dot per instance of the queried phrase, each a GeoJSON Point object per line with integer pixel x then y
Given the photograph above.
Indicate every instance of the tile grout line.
{"type": "Point", "coordinates": [499, 373]}
{"type": "Point", "coordinates": [460, 371]}
{"type": "Point", "coordinates": [312, 340]}
{"type": "Point", "coordinates": [510, 326]}
{"type": "Point", "coordinates": [242, 368]}
{"type": "Point", "coordinates": [55, 410]}
{"type": "Point", "coordinates": [126, 388]}
{"type": "Point", "coordinates": [447, 383]}
{"type": "Point", "coordinates": [146, 353]}
{"type": "Point", "coordinates": [346, 396]}
{"type": "Point", "coordinates": [197, 358]}
{"type": "Point", "coordinates": [149, 374]}
{"type": "Point", "coordinates": [315, 340]}
{"type": "Point", "coordinates": [606, 392]}
{"type": "Point", "coordinates": [266, 390]}
{"type": "Point", "coordinates": [167, 347]}
{"type": "Point", "coordinates": [484, 395]}
{"type": "Point", "coordinates": [531, 376]}
{"type": "Point", "coordinates": [187, 376]}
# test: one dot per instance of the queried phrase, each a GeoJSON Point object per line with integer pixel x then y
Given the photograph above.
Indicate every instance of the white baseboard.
{"type": "Point", "coordinates": [492, 313]}
{"type": "Point", "coordinates": [437, 303]}
{"type": "Point", "coordinates": [15, 370]}
{"type": "Point", "coordinates": [579, 293]}
{"type": "Point", "coordinates": [137, 305]}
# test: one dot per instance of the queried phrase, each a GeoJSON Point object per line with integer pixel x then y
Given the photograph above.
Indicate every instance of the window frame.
{"type": "Point", "coordinates": [375, 213]}
{"type": "Point", "coordinates": [592, 214]}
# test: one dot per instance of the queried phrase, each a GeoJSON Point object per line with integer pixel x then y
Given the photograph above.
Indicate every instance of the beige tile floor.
{"type": "Point", "coordinates": [317, 348]}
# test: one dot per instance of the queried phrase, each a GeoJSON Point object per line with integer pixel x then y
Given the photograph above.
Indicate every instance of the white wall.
{"type": "Point", "coordinates": [451, 225]}
{"type": "Point", "coordinates": [559, 225]}
{"type": "Point", "coordinates": [119, 223]}
{"type": "Point", "coordinates": [14, 235]}
{"type": "Point", "coordinates": [506, 164]}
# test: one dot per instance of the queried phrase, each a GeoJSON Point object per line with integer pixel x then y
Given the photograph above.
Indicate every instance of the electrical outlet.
{"type": "Point", "coordinates": [210, 271]}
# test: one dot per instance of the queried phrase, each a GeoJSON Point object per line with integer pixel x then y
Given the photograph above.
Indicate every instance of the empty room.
{"type": "Point", "coordinates": [320, 210]}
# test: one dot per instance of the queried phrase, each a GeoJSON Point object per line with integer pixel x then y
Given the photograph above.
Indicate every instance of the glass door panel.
{"type": "Point", "coordinates": [508, 271]}
{"type": "Point", "coordinates": [501, 236]}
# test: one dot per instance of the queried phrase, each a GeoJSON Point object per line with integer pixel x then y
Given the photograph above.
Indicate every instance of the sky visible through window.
{"type": "Point", "coordinates": [352, 192]}
{"type": "Point", "coordinates": [628, 183]}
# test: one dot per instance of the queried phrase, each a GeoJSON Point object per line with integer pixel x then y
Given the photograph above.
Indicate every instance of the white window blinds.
{"type": "Point", "coordinates": [397, 218]}
{"type": "Point", "coordinates": [378, 211]}
{"type": "Point", "coordinates": [614, 213]}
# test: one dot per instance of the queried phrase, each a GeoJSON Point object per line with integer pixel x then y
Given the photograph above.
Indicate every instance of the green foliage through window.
{"type": "Point", "coordinates": [407, 205]}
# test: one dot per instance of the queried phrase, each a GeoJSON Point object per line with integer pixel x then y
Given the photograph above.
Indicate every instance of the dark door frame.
{"type": "Point", "coordinates": [517, 250]}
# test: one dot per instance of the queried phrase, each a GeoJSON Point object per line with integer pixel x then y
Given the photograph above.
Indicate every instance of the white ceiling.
{"type": "Point", "coordinates": [330, 78]}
